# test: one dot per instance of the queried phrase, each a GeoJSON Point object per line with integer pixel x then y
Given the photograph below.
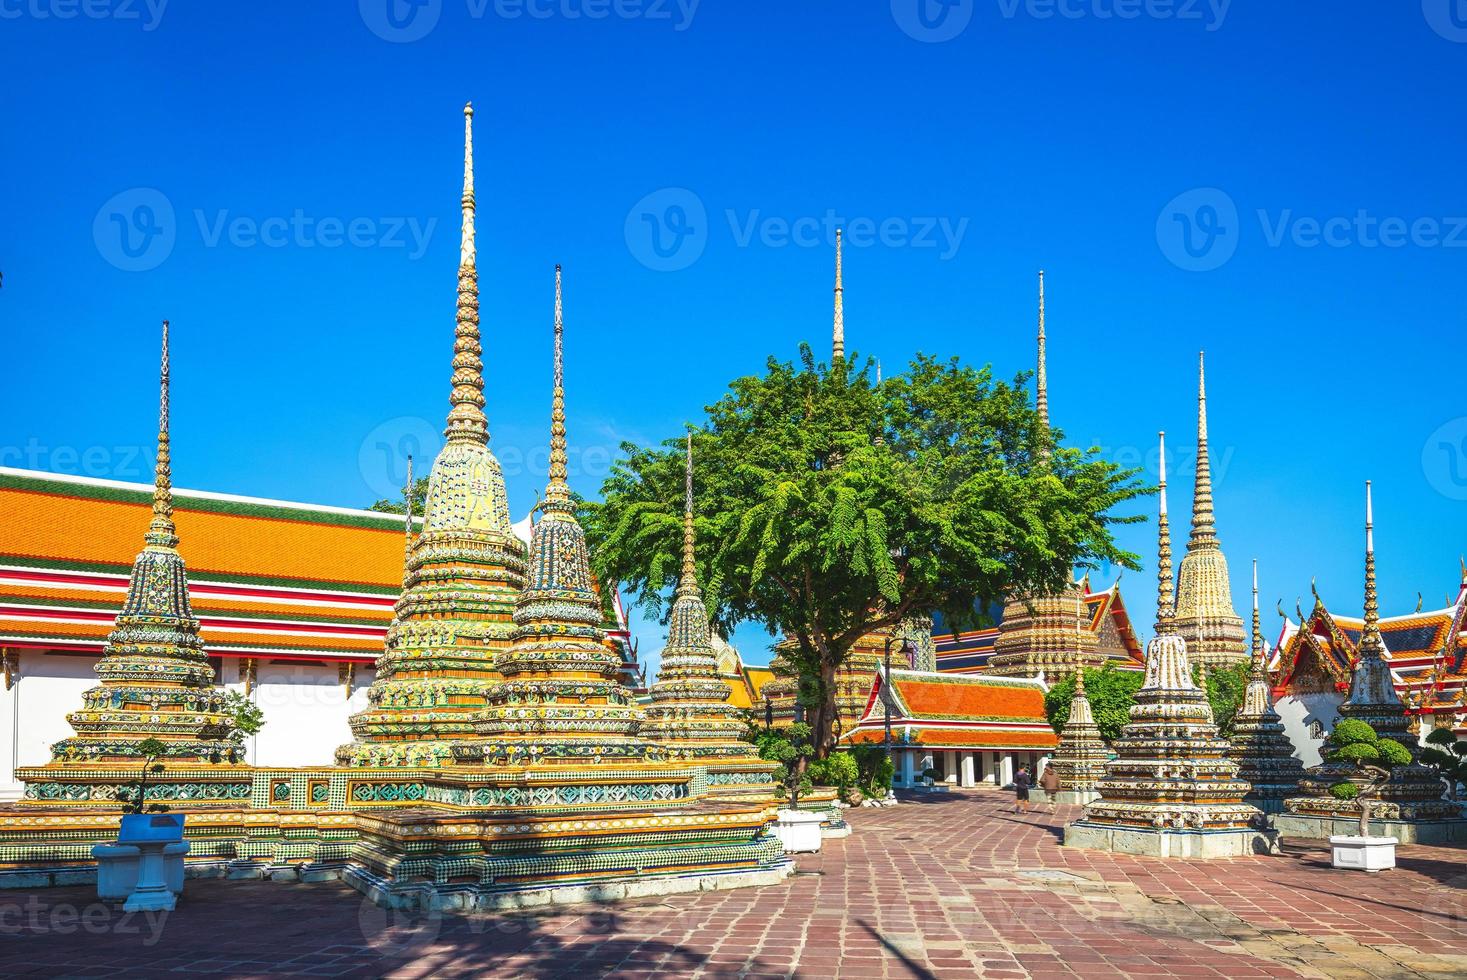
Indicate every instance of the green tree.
{"type": "Point", "coordinates": [1448, 756]}
{"type": "Point", "coordinates": [829, 507]}
{"type": "Point", "coordinates": [1111, 693]}
{"type": "Point", "coordinates": [399, 505]}
{"type": "Point", "coordinates": [1225, 689]}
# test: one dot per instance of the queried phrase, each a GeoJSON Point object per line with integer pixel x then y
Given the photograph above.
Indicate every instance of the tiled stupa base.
{"type": "Point", "coordinates": [1170, 843]}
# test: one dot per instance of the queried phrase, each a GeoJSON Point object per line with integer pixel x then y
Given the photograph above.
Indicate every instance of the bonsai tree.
{"type": "Point", "coordinates": [1445, 754]}
{"type": "Point", "coordinates": [1355, 743]}
{"type": "Point", "coordinates": [793, 755]}
{"type": "Point", "coordinates": [136, 800]}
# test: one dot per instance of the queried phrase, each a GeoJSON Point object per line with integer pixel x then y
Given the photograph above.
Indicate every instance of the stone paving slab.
{"type": "Point", "coordinates": [949, 886]}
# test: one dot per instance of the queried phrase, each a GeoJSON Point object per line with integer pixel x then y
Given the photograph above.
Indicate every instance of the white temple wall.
{"type": "Point", "coordinates": [305, 704]}
{"type": "Point", "coordinates": [1307, 719]}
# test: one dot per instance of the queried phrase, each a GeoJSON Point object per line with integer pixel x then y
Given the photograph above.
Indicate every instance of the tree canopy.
{"type": "Point", "coordinates": [829, 506]}
{"type": "Point", "coordinates": [1111, 693]}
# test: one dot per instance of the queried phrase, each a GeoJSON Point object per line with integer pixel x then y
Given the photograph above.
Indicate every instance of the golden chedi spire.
{"type": "Point", "coordinates": [1040, 633]}
{"type": "Point", "coordinates": [690, 713]}
{"type": "Point", "coordinates": [465, 568]}
{"type": "Point", "coordinates": [1171, 789]}
{"type": "Point", "coordinates": [156, 681]}
{"type": "Point", "coordinates": [561, 698]}
{"type": "Point", "coordinates": [838, 325]}
{"type": "Point", "coordinates": [1205, 614]}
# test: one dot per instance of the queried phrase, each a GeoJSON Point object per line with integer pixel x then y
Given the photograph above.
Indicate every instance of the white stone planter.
{"type": "Point", "coordinates": [799, 831]}
{"type": "Point", "coordinates": [1363, 853]}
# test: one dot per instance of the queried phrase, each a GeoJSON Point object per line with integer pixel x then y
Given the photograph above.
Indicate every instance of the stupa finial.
{"type": "Point", "coordinates": [688, 583]}
{"type": "Point", "coordinates": [1372, 608]}
{"type": "Point", "coordinates": [466, 421]}
{"type": "Point", "coordinates": [838, 327]}
{"type": "Point", "coordinates": [1258, 655]}
{"type": "Point", "coordinates": [161, 530]}
{"type": "Point", "coordinates": [557, 490]}
{"type": "Point", "coordinates": [1041, 374]}
{"type": "Point", "coordinates": [407, 524]}
{"type": "Point", "coordinates": [1204, 525]}
{"type": "Point", "coordinates": [1164, 586]}
{"type": "Point", "coordinates": [1080, 683]}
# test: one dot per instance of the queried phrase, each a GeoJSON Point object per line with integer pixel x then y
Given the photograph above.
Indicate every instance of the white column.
{"type": "Point", "coordinates": [968, 779]}
{"type": "Point", "coordinates": [990, 768]}
{"type": "Point", "coordinates": [907, 777]}
{"type": "Point", "coordinates": [1005, 769]}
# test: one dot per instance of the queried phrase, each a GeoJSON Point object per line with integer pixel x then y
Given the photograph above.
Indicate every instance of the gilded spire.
{"type": "Point", "coordinates": [1258, 656]}
{"type": "Point", "coordinates": [1204, 529]}
{"type": "Point", "coordinates": [688, 584]}
{"type": "Point", "coordinates": [1041, 376]}
{"type": "Point", "coordinates": [466, 422]}
{"type": "Point", "coordinates": [1370, 635]}
{"type": "Point", "coordinates": [838, 330]}
{"type": "Point", "coordinates": [557, 491]}
{"type": "Point", "coordinates": [407, 524]}
{"type": "Point", "coordinates": [161, 531]}
{"type": "Point", "coordinates": [1165, 612]}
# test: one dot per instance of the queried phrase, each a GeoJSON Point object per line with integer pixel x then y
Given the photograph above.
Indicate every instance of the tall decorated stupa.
{"type": "Point", "coordinates": [1045, 634]}
{"type": "Point", "coordinates": [156, 680]}
{"type": "Point", "coordinates": [1264, 754]}
{"type": "Point", "coordinates": [463, 572]}
{"type": "Point", "coordinates": [561, 698]}
{"type": "Point", "coordinates": [1081, 757]}
{"type": "Point", "coordinates": [1409, 806]}
{"type": "Point", "coordinates": [1171, 791]}
{"type": "Point", "coordinates": [1205, 615]}
{"type": "Point", "coordinates": [690, 714]}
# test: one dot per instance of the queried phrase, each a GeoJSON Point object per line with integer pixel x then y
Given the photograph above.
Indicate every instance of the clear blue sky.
{"type": "Point", "coordinates": [1128, 156]}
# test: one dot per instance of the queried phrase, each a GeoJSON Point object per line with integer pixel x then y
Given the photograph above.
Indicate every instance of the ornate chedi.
{"type": "Point", "coordinates": [690, 714]}
{"type": "Point", "coordinates": [463, 572]}
{"type": "Point", "coordinates": [1410, 803]}
{"type": "Point", "coordinates": [562, 696]}
{"type": "Point", "coordinates": [1081, 757]}
{"type": "Point", "coordinates": [1045, 633]}
{"type": "Point", "coordinates": [156, 680]}
{"type": "Point", "coordinates": [1264, 754]}
{"type": "Point", "coordinates": [1205, 615]}
{"type": "Point", "coordinates": [1171, 792]}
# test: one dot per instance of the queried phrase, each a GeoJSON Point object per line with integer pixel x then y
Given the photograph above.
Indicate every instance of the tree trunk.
{"type": "Point", "coordinates": [822, 732]}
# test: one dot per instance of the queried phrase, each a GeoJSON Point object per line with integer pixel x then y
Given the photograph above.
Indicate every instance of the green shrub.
{"type": "Point", "coordinates": [874, 769]}
{"type": "Point", "coordinates": [931, 774]}
{"type": "Point", "coordinates": [1393, 752]}
{"type": "Point", "coordinates": [1344, 791]}
{"type": "Point", "coordinates": [1356, 752]}
{"type": "Point", "coordinates": [838, 769]}
{"type": "Point", "coordinates": [1441, 736]}
{"type": "Point", "coordinates": [1351, 731]}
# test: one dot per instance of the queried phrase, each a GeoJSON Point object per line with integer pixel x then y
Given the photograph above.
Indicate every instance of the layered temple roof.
{"type": "Point", "coordinates": [1426, 653]}
{"type": "Point", "coordinates": [1105, 617]}
{"type": "Point", "coordinates": [958, 711]}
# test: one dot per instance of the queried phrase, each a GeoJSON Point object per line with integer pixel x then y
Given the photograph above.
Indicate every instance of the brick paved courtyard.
{"type": "Point", "coordinates": [953, 887]}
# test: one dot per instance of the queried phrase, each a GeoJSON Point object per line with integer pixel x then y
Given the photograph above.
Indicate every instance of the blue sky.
{"type": "Point", "coordinates": [1278, 183]}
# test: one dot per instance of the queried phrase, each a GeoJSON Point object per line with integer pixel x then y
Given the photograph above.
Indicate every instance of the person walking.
{"type": "Point", "coordinates": [1021, 790]}
{"type": "Point", "coordinates": [1049, 781]}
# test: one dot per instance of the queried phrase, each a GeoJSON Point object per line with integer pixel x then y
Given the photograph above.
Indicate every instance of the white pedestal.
{"type": "Point", "coordinates": [117, 871]}
{"type": "Point", "coordinates": [799, 831]}
{"type": "Point", "coordinates": [1363, 853]}
{"type": "Point", "coordinates": [160, 870]}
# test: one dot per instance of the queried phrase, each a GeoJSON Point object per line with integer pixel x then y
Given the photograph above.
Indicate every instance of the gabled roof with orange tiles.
{"type": "Point", "coordinates": [958, 710]}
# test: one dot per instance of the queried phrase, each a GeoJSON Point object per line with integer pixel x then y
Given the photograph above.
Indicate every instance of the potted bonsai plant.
{"type": "Point", "coordinates": [798, 830]}
{"type": "Point", "coordinates": [1355, 743]}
